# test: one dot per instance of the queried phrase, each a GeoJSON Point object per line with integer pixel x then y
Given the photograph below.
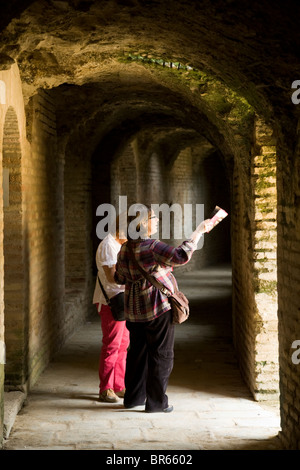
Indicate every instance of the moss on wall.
{"type": "Point", "coordinates": [217, 96]}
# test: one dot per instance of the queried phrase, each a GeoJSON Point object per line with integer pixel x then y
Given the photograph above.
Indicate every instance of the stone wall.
{"type": "Point", "coordinates": [14, 278]}
{"type": "Point", "coordinates": [58, 229]}
{"type": "Point", "coordinates": [124, 178]}
{"type": "Point", "coordinates": [214, 188]}
{"type": "Point", "coordinates": [33, 290]}
{"type": "Point", "coordinates": [288, 178]}
{"type": "Point", "coordinates": [79, 233]}
{"type": "Point", "coordinates": [92, 83]}
{"type": "Point", "coordinates": [264, 229]}
{"type": "Point", "coordinates": [49, 221]}
{"type": "Point", "coordinates": [43, 235]}
{"type": "Point", "coordinates": [242, 283]}
{"type": "Point", "coordinates": [254, 267]}
{"type": "Point", "coordinates": [190, 179]}
{"type": "Point", "coordinates": [13, 145]}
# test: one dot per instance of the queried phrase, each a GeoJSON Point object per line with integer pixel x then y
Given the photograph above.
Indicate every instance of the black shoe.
{"type": "Point", "coordinates": [169, 409]}
{"type": "Point", "coordinates": [165, 410]}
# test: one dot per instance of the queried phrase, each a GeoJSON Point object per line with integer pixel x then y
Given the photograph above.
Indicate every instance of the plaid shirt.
{"type": "Point", "coordinates": [144, 302]}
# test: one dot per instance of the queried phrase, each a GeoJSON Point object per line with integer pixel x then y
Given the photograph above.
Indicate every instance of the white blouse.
{"type": "Point", "coordinates": [106, 255]}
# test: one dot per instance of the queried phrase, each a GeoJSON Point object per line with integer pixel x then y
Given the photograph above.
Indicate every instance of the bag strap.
{"type": "Point", "coordinates": [148, 276]}
{"type": "Point", "coordinates": [102, 288]}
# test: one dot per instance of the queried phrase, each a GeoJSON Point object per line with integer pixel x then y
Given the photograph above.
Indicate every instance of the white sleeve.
{"type": "Point", "coordinates": [105, 255]}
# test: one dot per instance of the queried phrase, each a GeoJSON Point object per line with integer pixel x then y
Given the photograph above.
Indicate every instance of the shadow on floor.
{"type": "Point", "coordinates": [213, 410]}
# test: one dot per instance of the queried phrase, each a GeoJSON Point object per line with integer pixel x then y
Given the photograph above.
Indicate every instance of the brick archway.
{"type": "Point", "coordinates": [14, 292]}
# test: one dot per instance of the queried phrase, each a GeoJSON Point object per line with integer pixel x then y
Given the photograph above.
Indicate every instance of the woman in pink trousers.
{"type": "Point", "coordinates": [115, 336]}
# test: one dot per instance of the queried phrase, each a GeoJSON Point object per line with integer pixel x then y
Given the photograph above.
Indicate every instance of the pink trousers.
{"type": "Point", "coordinates": [115, 341]}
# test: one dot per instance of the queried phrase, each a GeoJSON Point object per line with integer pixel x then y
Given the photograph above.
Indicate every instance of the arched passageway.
{"type": "Point", "coordinates": [15, 321]}
{"type": "Point", "coordinates": [213, 409]}
{"type": "Point", "coordinates": [182, 110]}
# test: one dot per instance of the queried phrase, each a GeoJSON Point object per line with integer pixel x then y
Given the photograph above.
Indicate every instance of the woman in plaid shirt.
{"type": "Point", "coordinates": [147, 309]}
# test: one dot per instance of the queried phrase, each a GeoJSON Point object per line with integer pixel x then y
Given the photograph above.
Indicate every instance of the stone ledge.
{"type": "Point", "coordinates": [13, 402]}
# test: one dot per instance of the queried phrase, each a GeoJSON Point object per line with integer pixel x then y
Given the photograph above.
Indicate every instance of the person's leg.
{"type": "Point", "coordinates": [160, 344]}
{"type": "Point", "coordinates": [112, 332]}
{"type": "Point", "coordinates": [120, 365]}
{"type": "Point", "coordinates": [136, 366]}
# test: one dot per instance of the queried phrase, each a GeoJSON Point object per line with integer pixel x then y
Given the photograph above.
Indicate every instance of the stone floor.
{"type": "Point", "coordinates": [213, 409]}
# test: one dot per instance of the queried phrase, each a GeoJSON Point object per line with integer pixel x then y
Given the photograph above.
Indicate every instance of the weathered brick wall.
{"type": "Point", "coordinates": [254, 268]}
{"type": "Point", "coordinates": [288, 179]}
{"type": "Point", "coordinates": [43, 235]}
{"type": "Point", "coordinates": [213, 182]}
{"type": "Point", "coordinates": [242, 279]}
{"type": "Point", "coordinates": [124, 178]}
{"type": "Point", "coordinates": [37, 320]}
{"type": "Point", "coordinates": [151, 181]}
{"type": "Point", "coordinates": [56, 241]}
{"type": "Point", "coordinates": [139, 176]}
{"type": "Point", "coordinates": [264, 227]}
{"type": "Point", "coordinates": [79, 232]}
{"type": "Point", "coordinates": [198, 179]}
{"type": "Point", "coordinates": [101, 194]}
{"type": "Point", "coordinates": [145, 177]}
{"type": "Point", "coordinates": [14, 289]}
{"type": "Point", "coordinates": [183, 189]}
{"type": "Point", "coordinates": [12, 131]}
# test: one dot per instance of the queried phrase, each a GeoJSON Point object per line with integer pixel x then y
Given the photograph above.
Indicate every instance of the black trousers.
{"type": "Point", "coordinates": [149, 362]}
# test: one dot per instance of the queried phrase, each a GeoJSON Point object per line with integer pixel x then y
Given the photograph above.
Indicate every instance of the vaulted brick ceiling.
{"type": "Point", "coordinates": [80, 50]}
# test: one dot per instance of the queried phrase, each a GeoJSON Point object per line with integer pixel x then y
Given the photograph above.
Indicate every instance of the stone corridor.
{"type": "Point", "coordinates": [213, 410]}
{"type": "Point", "coordinates": [191, 105]}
